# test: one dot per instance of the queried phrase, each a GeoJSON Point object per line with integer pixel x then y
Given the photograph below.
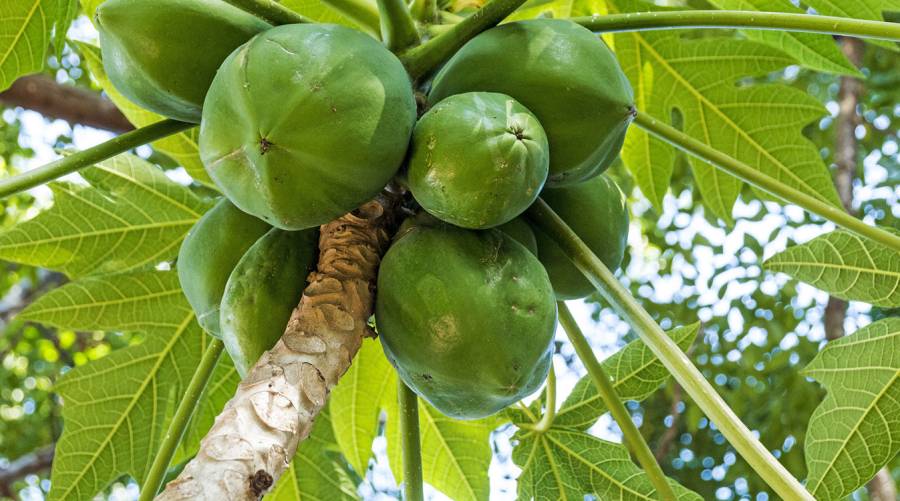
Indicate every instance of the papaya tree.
{"type": "Point", "coordinates": [388, 205]}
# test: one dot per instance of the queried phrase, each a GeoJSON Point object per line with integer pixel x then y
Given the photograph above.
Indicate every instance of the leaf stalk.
{"type": "Point", "coordinates": [665, 349]}
{"type": "Point", "coordinates": [633, 439]}
{"type": "Point", "coordinates": [180, 420]}
{"type": "Point", "coordinates": [736, 19]}
{"type": "Point", "coordinates": [736, 168]}
{"type": "Point", "coordinates": [413, 489]}
{"type": "Point", "coordinates": [398, 30]}
{"type": "Point", "coordinates": [422, 59]}
{"type": "Point", "coordinates": [90, 156]}
{"type": "Point", "coordinates": [270, 11]}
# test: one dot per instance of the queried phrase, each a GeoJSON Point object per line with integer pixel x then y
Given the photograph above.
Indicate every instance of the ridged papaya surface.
{"type": "Point", "coordinates": [478, 159]}
{"type": "Point", "coordinates": [565, 75]}
{"type": "Point", "coordinates": [467, 318]}
{"type": "Point", "coordinates": [163, 54]}
{"type": "Point", "coordinates": [263, 289]}
{"type": "Point", "coordinates": [211, 249]}
{"type": "Point", "coordinates": [596, 210]}
{"type": "Point", "coordinates": [306, 122]}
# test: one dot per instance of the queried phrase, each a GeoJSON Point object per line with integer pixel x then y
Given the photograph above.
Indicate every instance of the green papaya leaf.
{"type": "Point", "coordinates": [318, 471]}
{"type": "Point", "coordinates": [182, 147]}
{"type": "Point", "coordinates": [557, 8]}
{"type": "Point", "coordinates": [116, 409]}
{"type": "Point", "coordinates": [844, 265]}
{"type": "Point", "coordinates": [760, 125]}
{"type": "Point", "coordinates": [26, 27]}
{"type": "Point", "coordinates": [321, 12]}
{"type": "Point", "coordinates": [131, 216]}
{"type": "Point", "coordinates": [563, 463]}
{"type": "Point", "coordinates": [856, 429]}
{"type": "Point", "coordinates": [816, 52]}
{"type": "Point", "coordinates": [455, 454]}
{"type": "Point", "coordinates": [636, 374]}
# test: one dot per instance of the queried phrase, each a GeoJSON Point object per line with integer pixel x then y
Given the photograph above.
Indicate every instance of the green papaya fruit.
{"type": "Point", "coordinates": [163, 54]}
{"type": "Point", "coordinates": [263, 290]}
{"type": "Point", "coordinates": [306, 122]}
{"type": "Point", "coordinates": [467, 318]}
{"type": "Point", "coordinates": [211, 249]}
{"type": "Point", "coordinates": [598, 213]}
{"type": "Point", "coordinates": [521, 232]}
{"type": "Point", "coordinates": [478, 159]}
{"type": "Point", "coordinates": [565, 75]}
{"type": "Point", "coordinates": [518, 229]}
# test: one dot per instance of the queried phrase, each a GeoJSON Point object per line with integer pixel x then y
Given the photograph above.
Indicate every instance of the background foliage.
{"type": "Point", "coordinates": [697, 249]}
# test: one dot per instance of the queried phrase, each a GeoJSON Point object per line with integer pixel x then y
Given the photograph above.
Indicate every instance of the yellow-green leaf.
{"type": "Point", "coordinates": [855, 431]}
{"type": "Point", "coordinates": [844, 265]}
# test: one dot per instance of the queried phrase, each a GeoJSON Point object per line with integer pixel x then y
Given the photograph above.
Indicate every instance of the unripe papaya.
{"type": "Point", "coordinates": [565, 75]}
{"type": "Point", "coordinates": [263, 290]}
{"type": "Point", "coordinates": [521, 232]}
{"type": "Point", "coordinates": [163, 54]}
{"type": "Point", "coordinates": [598, 213]}
{"type": "Point", "coordinates": [306, 122]}
{"type": "Point", "coordinates": [478, 159]}
{"type": "Point", "coordinates": [467, 318]}
{"type": "Point", "coordinates": [211, 249]}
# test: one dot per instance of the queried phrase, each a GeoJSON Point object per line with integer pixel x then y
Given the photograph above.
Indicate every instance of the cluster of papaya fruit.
{"type": "Point", "coordinates": [300, 124]}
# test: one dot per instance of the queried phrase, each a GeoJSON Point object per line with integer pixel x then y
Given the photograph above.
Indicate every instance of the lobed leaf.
{"type": "Point", "coordinates": [697, 81]}
{"type": "Point", "coordinates": [117, 409]}
{"type": "Point", "coordinates": [563, 463]}
{"type": "Point", "coordinates": [816, 52]}
{"type": "Point", "coordinates": [636, 373]}
{"type": "Point", "coordinates": [844, 265]}
{"type": "Point", "coordinates": [856, 429]}
{"type": "Point", "coordinates": [26, 27]}
{"type": "Point", "coordinates": [132, 216]}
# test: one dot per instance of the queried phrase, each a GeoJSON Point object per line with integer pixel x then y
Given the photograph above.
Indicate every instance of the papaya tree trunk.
{"type": "Point", "coordinates": [256, 435]}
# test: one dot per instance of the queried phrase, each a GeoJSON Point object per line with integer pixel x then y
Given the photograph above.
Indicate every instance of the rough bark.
{"type": "Point", "coordinates": [28, 464]}
{"type": "Point", "coordinates": [42, 94]}
{"type": "Point", "coordinates": [882, 487]}
{"type": "Point", "coordinates": [256, 435]}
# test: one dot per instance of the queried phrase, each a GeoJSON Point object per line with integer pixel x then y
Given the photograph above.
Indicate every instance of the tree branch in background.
{"type": "Point", "coordinates": [846, 152]}
{"type": "Point", "coordinates": [42, 94]}
{"type": "Point", "coordinates": [668, 437]}
{"type": "Point", "coordinates": [29, 464]}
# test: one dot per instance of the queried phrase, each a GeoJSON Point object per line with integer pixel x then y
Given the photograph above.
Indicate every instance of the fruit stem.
{"type": "Point", "coordinates": [736, 168]}
{"type": "Point", "coordinates": [90, 156]}
{"type": "Point", "coordinates": [690, 378]}
{"type": "Point", "coordinates": [412, 448]}
{"type": "Point", "coordinates": [180, 420]}
{"type": "Point", "coordinates": [270, 11]}
{"type": "Point", "coordinates": [422, 59]}
{"type": "Point", "coordinates": [633, 439]}
{"type": "Point", "coordinates": [362, 12]}
{"type": "Point", "coordinates": [398, 30]}
{"type": "Point", "coordinates": [424, 11]}
{"type": "Point", "coordinates": [546, 421]}
{"type": "Point", "coordinates": [640, 21]}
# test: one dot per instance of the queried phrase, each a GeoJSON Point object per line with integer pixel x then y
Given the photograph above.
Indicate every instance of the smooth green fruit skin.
{"type": "Point", "coordinates": [478, 159]}
{"type": "Point", "coordinates": [305, 123]}
{"type": "Point", "coordinates": [211, 249]}
{"type": "Point", "coordinates": [466, 317]}
{"type": "Point", "coordinates": [163, 54]}
{"type": "Point", "coordinates": [263, 290]}
{"type": "Point", "coordinates": [597, 211]}
{"type": "Point", "coordinates": [521, 232]}
{"type": "Point", "coordinates": [565, 75]}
